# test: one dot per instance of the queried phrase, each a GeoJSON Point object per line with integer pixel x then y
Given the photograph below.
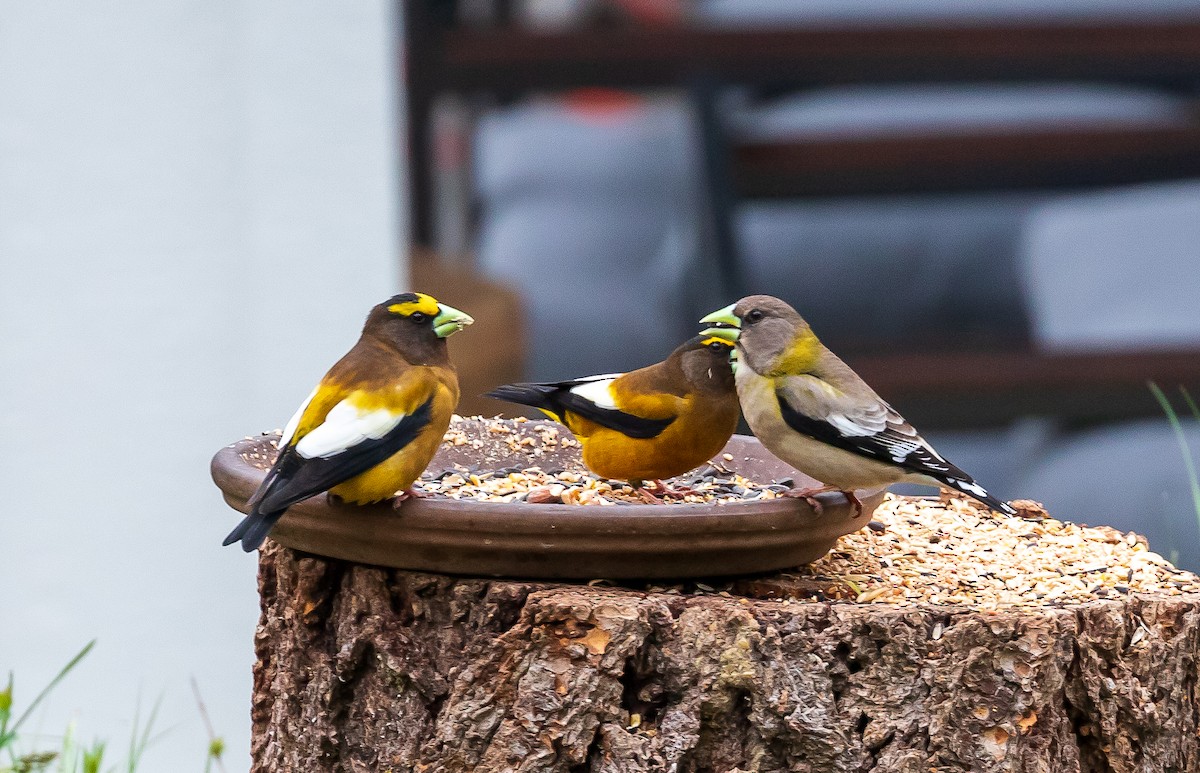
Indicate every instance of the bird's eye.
{"type": "Point", "coordinates": [418, 317]}
{"type": "Point", "coordinates": [754, 315]}
{"type": "Point", "coordinates": [717, 346]}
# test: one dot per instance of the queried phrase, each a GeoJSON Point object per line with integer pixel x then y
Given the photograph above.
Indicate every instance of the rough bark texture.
{"type": "Point", "coordinates": [367, 669]}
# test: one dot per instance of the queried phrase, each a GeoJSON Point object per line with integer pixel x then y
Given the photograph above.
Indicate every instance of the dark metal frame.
{"type": "Point", "coordinates": [503, 61]}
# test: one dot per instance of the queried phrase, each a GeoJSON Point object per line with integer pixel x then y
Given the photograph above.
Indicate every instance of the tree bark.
{"type": "Point", "coordinates": [368, 669]}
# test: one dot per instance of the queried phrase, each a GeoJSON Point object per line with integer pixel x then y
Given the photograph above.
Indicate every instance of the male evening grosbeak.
{"type": "Point", "coordinates": [649, 424]}
{"type": "Point", "coordinates": [373, 423]}
{"type": "Point", "coordinates": [813, 412]}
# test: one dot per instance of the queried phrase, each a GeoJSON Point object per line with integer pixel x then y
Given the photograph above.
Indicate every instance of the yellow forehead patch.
{"type": "Point", "coordinates": [425, 304]}
{"type": "Point", "coordinates": [715, 340]}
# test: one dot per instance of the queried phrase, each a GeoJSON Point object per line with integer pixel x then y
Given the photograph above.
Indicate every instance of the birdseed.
{"type": "Point", "coordinates": [533, 481]}
{"type": "Point", "coordinates": [945, 551]}
{"type": "Point", "coordinates": [520, 460]}
{"type": "Point", "coordinates": [950, 551]}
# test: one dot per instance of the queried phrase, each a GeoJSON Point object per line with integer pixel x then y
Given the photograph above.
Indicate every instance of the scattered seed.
{"type": "Point", "coordinates": [944, 550]}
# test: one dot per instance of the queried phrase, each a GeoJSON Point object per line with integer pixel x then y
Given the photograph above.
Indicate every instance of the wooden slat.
{"type": "Point", "coordinates": [1060, 158]}
{"type": "Point", "coordinates": [515, 59]}
{"type": "Point", "coordinates": [965, 389]}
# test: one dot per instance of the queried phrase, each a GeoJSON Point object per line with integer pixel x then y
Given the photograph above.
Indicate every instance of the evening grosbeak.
{"type": "Point", "coordinates": [648, 424]}
{"type": "Point", "coordinates": [374, 421]}
{"type": "Point", "coordinates": [813, 412]}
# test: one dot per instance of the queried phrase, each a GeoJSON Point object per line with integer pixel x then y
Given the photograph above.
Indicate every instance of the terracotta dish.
{"type": "Point", "coordinates": [518, 539]}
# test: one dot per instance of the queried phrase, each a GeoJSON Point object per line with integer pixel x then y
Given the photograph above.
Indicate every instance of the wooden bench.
{"type": "Point", "coordinates": [953, 388]}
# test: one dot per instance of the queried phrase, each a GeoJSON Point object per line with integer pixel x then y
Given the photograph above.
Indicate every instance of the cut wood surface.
{"type": "Point", "coordinates": [369, 669]}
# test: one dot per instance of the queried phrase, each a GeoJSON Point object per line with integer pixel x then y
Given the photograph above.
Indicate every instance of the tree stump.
{"type": "Point", "coordinates": [369, 669]}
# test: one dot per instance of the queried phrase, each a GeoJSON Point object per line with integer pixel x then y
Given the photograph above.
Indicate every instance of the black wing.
{"type": "Point", "coordinates": [558, 399]}
{"type": "Point", "coordinates": [294, 478]}
{"type": "Point", "coordinates": [896, 444]}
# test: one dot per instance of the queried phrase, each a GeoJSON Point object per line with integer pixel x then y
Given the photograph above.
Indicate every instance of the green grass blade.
{"type": "Point", "coordinates": [141, 738]}
{"type": "Point", "coordinates": [93, 758]}
{"type": "Point", "coordinates": [5, 711]}
{"type": "Point", "coordinates": [1177, 426]}
{"type": "Point", "coordinates": [216, 744]}
{"type": "Point", "coordinates": [11, 732]}
{"type": "Point", "coordinates": [68, 758]}
{"type": "Point", "coordinates": [1187, 396]}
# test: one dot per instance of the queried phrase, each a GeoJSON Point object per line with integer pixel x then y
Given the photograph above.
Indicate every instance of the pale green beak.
{"type": "Point", "coordinates": [733, 360]}
{"type": "Point", "coordinates": [449, 321]}
{"type": "Point", "coordinates": [724, 324]}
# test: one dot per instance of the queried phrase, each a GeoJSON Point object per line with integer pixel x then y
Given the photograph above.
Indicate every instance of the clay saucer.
{"type": "Point", "coordinates": [518, 539]}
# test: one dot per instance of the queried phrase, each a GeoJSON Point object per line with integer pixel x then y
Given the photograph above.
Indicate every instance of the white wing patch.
{"type": "Point", "coordinates": [851, 428]}
{"type": "Point", "coordinates": [294, 422]}
{"type": "Point", "coordinates": [971, 487]}
{"type": "Point", "coordinates": [598, 390]}
{"type": "Point", "coordinates": [874, 428]}
{"type": "Point", "coordinates": [344, 427]}
{"type": "Point", "coordinates": [902, 449]}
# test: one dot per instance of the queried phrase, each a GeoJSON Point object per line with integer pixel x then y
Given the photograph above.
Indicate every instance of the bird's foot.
{"type": "Point", "coordinates": [407, 494]}
{"type": "Point", "coordinates": [660, 488]}
{"type": "Point", "coordinates": [646, 496]}
{"type": "Point", "coordinates": [810, 495]}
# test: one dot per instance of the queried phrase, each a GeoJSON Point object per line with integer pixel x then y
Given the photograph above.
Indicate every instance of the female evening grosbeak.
{"type": "Point", "coordinates": [373, 423]}
{"type": "Point", "coordinates": [813, 412]}
{"type": "Point", "coordinates": [649, 424]}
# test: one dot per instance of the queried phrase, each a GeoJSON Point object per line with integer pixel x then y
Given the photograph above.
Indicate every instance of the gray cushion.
{"type": "Point", "coordinates": [727, 13]}
{"type": "Point", "coordinates": [1116, 269]}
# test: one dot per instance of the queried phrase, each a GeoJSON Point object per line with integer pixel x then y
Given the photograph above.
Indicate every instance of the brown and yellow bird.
{"type": "Point", "coordinates": [648, 424]}
{"type": "Point", "coordinates": [374, 421]}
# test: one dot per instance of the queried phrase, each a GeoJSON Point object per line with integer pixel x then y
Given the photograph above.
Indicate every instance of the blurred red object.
{"type": "Point", "coordinates": [600, 104]}
{"type": "Point", "coordinates": [649, 12]}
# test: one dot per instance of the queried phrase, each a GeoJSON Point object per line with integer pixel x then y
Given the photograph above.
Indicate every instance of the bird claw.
{"type": "Point", "coordinates": [405, 495]}
{"type": "Point", "coordinates": [810, 495]}
{"type": "Point", "coordinates": [854, 502]}
{"type": "Point", "coordinates": [647, 497]}
{"type": "Point", "coordinates": [662, 489]}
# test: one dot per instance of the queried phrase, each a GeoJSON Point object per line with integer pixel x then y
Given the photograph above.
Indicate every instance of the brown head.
{"type": "Point", "coordinates": [772, 338]}
{"type": "Point", "coordinates": [416, 326]}
{"type": "Point", "coordinates": [704, 361]}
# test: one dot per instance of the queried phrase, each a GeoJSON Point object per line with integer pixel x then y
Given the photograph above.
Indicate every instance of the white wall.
{"type": "Point", "coordinates": [197, 208]}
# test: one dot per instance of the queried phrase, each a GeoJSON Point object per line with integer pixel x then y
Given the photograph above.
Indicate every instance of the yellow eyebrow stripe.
{"type": "Point", "coordinates": [425, 304]}
{"type": "Point", "coordinates": [715, 340]}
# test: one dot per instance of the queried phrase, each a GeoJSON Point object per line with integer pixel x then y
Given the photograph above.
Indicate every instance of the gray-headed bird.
{"type": "Point", "coordinates": [813, 412]}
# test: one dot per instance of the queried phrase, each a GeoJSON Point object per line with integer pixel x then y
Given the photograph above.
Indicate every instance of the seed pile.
{"type": "Point", "coordinates": [949, 552]}
{"type": "Point", "coordinates": [522, 461]}
{"type": "Point", "coordinates": [944, 551]}
{"type": "Point", "coordinates": [711, 485]}
{"type": "Point", "coordinates": [519, 460]}
{"type": "Point", "coordinates": [491, 444]}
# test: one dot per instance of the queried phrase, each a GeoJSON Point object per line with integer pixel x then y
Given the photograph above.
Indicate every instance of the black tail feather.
{"type": "Point", "coordinates": [253, 529]}
{"type": "Point", "coordinates": [979, 494]}
{"type": "Point", "coordinates": [533, 395]}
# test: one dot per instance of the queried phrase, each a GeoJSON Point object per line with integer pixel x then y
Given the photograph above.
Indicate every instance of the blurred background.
{"type": "Point", "coordinates": [991, 210]}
